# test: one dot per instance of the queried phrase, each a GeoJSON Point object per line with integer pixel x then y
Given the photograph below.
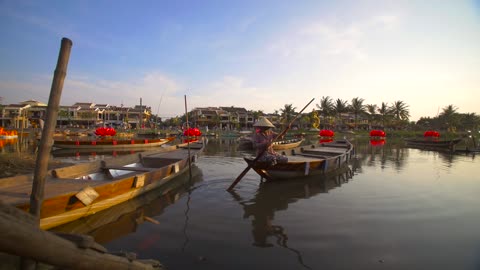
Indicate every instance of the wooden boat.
{"type": "Point", "coordinates": [287, 144]}
{"type": "Point", "coordinates": [428, 143]}
{"type": "Point", "coordinates": [315, 159]}
{"type": "Point", "coordinates": [8, 137]}
{"type": "Point", "coordinates": [126, 217]}
{"type": "Point", "coordinates": [109, 143]}
{"type": "Point", "coordinates": [246, 142]}
{"type": "Point", "coordinates": [84, 189]}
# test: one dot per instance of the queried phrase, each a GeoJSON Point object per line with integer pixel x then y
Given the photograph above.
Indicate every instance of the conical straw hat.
{"type": "Point", "coordinates": [263, 122]}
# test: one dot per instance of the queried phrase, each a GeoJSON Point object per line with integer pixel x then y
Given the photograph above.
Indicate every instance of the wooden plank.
{"type": "Point", "coordinates": [76, 170]}
{"type": "Point", "coordinates": [134, 169]}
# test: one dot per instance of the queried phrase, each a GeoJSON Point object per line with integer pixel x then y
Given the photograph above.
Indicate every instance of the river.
{"type": "Point", "coordinates": [392, 208]}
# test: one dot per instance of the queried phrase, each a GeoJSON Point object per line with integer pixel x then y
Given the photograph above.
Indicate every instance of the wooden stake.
{"type": "Point", "coordinates": [188, 140]}
{"type": "Point", "coordinates": [41, 166]}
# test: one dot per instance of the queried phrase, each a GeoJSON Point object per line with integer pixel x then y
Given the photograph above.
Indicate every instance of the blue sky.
{"type": "Point", "coordinates": [259, 55]}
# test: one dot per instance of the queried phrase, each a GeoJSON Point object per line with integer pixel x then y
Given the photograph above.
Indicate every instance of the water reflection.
{"type": "Point", "coordinates": [272, 197]}
{"type": "Point", "coordinates": [124, 219]}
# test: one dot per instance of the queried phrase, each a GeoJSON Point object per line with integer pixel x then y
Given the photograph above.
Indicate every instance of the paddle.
{"type": "Point", "coordinates": [263, 151]}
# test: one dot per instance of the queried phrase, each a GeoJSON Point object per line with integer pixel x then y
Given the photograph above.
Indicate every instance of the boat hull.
{"type": "Point", "coordinates": [305, 161]}
{"type": "Point", "coordinates": [109, 144]}
{"type": "Point", "coordinates": [433, 144]}
{"type": "Point", "coordinates": [85, 189]}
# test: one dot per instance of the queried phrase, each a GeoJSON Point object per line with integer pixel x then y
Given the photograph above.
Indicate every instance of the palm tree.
{"type": "Point", "coordinates": [288, 112]}
{"type": "Point", "coordinates": [325, 107]}
{"type": "Point", "coordinates": [357, 108]}
{"type": "Point", "coordinates": [470, 121]}
{"type": "Point", "coordinates": [340, 106]}
{"type": "Point", "coordinates": [449, 116]}
{"type": "Point", "coordinates": [400, 110]}
{"type": "Point", "coordinates": [372, 113]}
{"type": "Point", "coordinates": [384, 112]}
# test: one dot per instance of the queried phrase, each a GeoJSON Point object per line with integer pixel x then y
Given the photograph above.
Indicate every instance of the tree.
{"type": "Point", "coordinates": [400, 110]}
{"type": "Point", "coordinates": [384, 112]}
{"type": "Point", "coordinates": [287, 114]}
{"type": "Point", "coordinates": [449, 117]}
{"type": "Point", "coordinates": [325, 107]}
{"type": "Point", "coordinates": [340, 106]}
{"type": "Point", "coordinates": [372, 113]}
{"type": "Point", "coordinates": [357, 108]}
{"type": "Point", "coordinates": [470, 121]}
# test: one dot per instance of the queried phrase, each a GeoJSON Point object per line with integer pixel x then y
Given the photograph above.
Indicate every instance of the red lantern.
{"type": "Point", "coordinates": [377, 133]}
{"type": "Point", "coordinates": [101, 131]}
{"type": "Point", "coordinates": [191, 132]}
{"type": "Point", "coordinates": [431, 133]}
{"type": "Point", "coordinates": [326, 133]}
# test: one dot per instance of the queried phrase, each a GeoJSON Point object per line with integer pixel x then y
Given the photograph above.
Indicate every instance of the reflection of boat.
{"type": "Point", "coordinates": [109, 143]}
{"type": "Point", "coordinates": [84, 189]}
{"type": "Point", "coordinates": [306, 160]}
{"type": "Point", "coordinates": [430, 143]}
{"type": "Point", "coordinates": [124, 218]}
{"type": "Point", "coordinates": [278, 196]}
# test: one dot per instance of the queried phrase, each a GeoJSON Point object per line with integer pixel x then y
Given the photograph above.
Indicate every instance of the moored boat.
{"type": "Point", "coordinates": [429, 143]}
{"type": "Point", "coordinates": [104, 144]}
{"type": "Point", "coordinates": [246, 142]}
{"type": "Point", "coordinates": [314, 159]}
{"type": "Point", "coordinates": [287, 144]}
{"type": "Point", "coordinates": [84, 189]}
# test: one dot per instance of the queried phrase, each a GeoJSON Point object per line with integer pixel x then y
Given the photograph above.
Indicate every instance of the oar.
{"type": "Point", "coordinates": [263, 151]}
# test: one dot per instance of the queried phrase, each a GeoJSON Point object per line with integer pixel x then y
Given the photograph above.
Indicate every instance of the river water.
{"type": "Point", "coordinates": [392, 208]}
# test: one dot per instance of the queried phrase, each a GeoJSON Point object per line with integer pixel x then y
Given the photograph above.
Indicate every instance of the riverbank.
{"type": "Point", "coordinates": [12, 164]}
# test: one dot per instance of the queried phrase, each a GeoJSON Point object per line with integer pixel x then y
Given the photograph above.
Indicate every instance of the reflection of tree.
{"type": "Point", "coordinates": [276, 196]}
{"type": "Point", "coordinates": [391, 153]}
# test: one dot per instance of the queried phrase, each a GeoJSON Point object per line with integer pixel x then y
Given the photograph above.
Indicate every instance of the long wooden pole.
{"type": "Point", "coordinates": [188, 140]}
{"type": "Point", "coordinates": [242, 174]}
{"type": "Point", "coordinates": [41, 166]}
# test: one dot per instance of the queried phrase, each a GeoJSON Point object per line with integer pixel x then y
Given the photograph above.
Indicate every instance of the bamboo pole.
{"type": "Point", "coordinates": [41, 166]}
{"type": "Point", "coordinates": [188, 140]}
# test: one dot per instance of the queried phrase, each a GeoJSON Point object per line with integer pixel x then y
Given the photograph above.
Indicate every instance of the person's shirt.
{"type": "Point", "coordinates": [264, 139]}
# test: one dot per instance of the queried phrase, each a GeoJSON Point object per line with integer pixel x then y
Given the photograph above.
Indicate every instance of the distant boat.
{"type": "Point", "coordinates": [110, 143]}
{"type": "Point", "coordinates": [428, 143]}
{"type": "Point", "coordinates": [8, 137]}
{"type": "Point", "coordinates": [246, 142]}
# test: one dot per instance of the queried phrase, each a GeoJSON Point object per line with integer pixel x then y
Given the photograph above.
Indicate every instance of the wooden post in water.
{"type": "Point", "coordinates": [188, 140]}
{"type": "Point", "coordinates": [41, 166]}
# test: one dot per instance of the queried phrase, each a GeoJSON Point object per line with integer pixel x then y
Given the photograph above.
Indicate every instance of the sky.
{"type": "Point", "coordinates": [260, 55]}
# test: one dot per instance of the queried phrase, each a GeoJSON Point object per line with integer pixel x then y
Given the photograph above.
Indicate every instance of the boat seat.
{"type": "Point", "coordinates": [135, 169]}
{"type": "Point", "coordinates": [311, 156]}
